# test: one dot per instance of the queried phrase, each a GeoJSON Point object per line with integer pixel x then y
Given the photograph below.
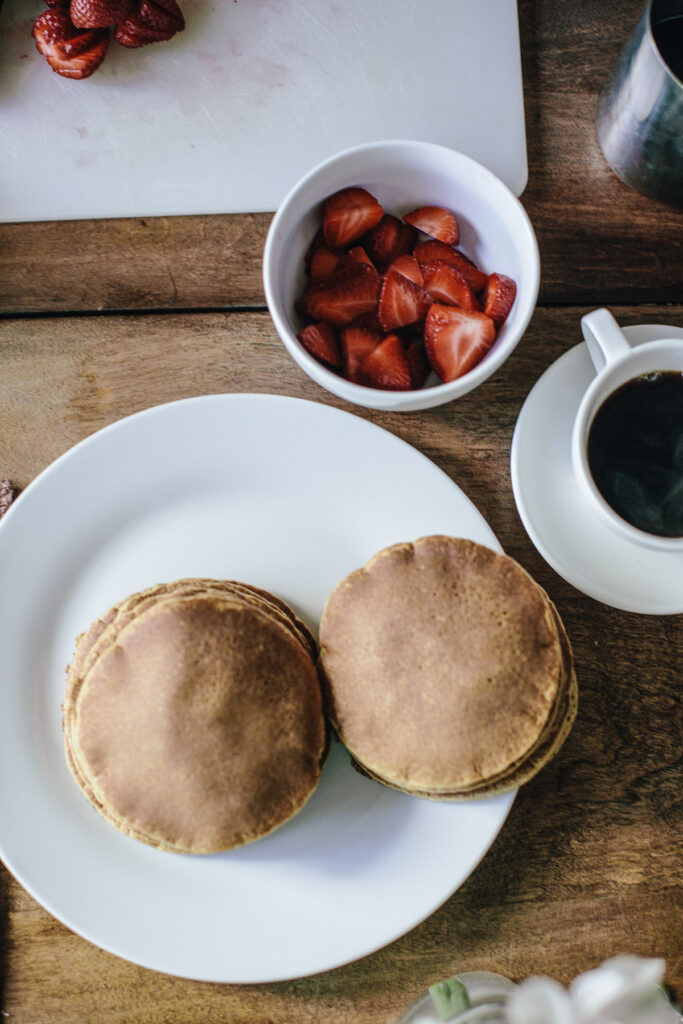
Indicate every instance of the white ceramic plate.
{"type": "Point", "coordinates": [282, 493]}
{"type": "Point", "coordinates": [563, 527]}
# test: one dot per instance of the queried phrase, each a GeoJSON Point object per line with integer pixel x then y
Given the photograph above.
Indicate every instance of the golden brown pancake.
{"type": "Point", "coordinates": [446, 670]}
{"type": "Point", "coordinates": [198, 724]}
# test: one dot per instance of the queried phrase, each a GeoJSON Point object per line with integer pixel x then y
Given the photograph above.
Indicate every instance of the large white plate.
{"type": "Point", "coordinates": [282, 493]}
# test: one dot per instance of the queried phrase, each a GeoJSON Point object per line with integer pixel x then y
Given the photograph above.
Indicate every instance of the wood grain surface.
{"type": "Point", "coordinates": [101, 319]}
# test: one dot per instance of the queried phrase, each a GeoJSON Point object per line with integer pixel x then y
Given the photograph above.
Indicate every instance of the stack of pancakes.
{"type": "Point", "coordinates": [193, 715]}
{"type": "Point", "coordinates": [446, 669]}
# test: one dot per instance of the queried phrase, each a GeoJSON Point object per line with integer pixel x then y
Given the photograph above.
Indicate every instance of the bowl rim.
{"type": "Point", "coordinates": [427, 396]}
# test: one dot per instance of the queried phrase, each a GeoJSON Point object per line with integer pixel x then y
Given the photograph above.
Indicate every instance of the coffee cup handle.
{"type": "Point", "coordinates": [604, 338]}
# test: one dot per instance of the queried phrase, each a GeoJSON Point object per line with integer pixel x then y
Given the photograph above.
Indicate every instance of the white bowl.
{"type": "Point", "coordinates": [495, 233]}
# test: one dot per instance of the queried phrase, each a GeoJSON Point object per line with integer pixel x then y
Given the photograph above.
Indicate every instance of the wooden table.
{"type": "Point", "coordinates": [101, 319]}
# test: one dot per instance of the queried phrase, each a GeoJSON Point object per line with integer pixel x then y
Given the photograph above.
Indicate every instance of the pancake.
{"type": "Point", "coordinates": [446, 669]}
{"type": "Point", "coordinates": [193, 718]}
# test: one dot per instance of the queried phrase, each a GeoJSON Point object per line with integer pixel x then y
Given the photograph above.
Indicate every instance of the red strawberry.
{"type": "Point", "coordinates": [71, 52]}
{"type": "Point", "coordinates": [359, 254]}
{"type": "Point", "coordinates": [435, 221]}
{"type": "Point", "coordinates": [99, 13]}
{"type": "Point", "coordinates": [322, 343]}
{"type": "Point", "coordinates": [155, 21]}
{"type": "Point", "coordinates": [499, 297]}
{"type": "Point", "coordinates": [370, 321]}
{"type": "Point", "coordinates": [417, 362]}
{"type": "Point", "coordinates": [429, 252]}
{"type": "Point", "coordinates": [408, 266]}
{"type": "Point", "coordinates": [348, 293]}
{"type": "Point", "coordinates": [347, 215]}
{"type": "Point", "coordinates": [317, 241]}
{"type": "Point", "coordinates": [387, 240]}
{"type": "Point", "coordinates": [455, 341]}
{"type": "Point", "coordinates": [446, 284]}
{"type": "Point", "coordinates": [356, 344]}
{"type": "Point", "coordinates": [323, 263]}
{"type": "Point", "coordinates": [386, 367]}
{"type": "Point", "coordinates": [401, 301]}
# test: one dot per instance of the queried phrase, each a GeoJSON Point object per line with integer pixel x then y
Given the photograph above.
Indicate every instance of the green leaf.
{"type": "Point", "coordinates": [449, 998]}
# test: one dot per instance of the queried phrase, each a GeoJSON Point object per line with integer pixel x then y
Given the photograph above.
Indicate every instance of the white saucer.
{"type": "Point", "coordinates": [562, 526]}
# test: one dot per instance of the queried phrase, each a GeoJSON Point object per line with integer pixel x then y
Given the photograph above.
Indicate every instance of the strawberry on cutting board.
{"type": "Point", "coordinates": [99, 13]}
{"type": "Point", "coordinates": [455, 340]}
{"type": "Point", "coordinates": [70, 51]}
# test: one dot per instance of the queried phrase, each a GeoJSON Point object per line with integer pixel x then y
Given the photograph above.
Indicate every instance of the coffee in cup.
{"type": "Point", "coordinates": [627, 444]}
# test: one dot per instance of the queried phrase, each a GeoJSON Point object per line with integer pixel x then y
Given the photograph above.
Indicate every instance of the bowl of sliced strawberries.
{"type": "Point", "coordinates": [400, 275]}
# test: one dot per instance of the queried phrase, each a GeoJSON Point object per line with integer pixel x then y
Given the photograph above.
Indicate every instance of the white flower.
{"type": "Point", "coordinates": [624, 990]}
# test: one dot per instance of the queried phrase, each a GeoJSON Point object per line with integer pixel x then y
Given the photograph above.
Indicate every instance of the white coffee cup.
{"type": "Point", "coordinates": [617, 363]}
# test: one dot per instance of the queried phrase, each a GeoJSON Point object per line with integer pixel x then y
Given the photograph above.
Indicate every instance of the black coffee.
{"type": "Point", "coordinates": [668, 35]}
{"type": "Point", "coordinates": [635, 452]}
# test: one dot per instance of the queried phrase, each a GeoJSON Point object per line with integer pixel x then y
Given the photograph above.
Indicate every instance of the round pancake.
{"type": "Point", "coordinates": [556, 732]}
{"type": "Point", "coordinates": [442, 665]}
{"type": "Point", "coordinates": [201, 727]}
{"type": "Point", "coordinates": [103, 632]}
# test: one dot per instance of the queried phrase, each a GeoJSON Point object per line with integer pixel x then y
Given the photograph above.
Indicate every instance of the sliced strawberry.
{"type": "Point", "coordinates": [356, 344]}
{"type": "Point", "coordinates": [358, 253]}
{"type": "Point", "coordinates": [316, 243]}
{"type": "Point", "coordinates": [347, 215]}
{"type": "Point", "coordinates": [401, 301]}
{"type": "Point", "coordinates": [435, 221]}
{"type": "Point", "coordinates": [70, 51]}
{"type": "Point", "coordinates": [323, 263]}
{"type": "Point", "coordinates": [322, 343]}
{"type": "Point", "coordinates": [99, 13]}
{"type": "Point", "coordinates": [387, 240]}
{"type": "Point", "coordinates": [386, 367]}
{"type": "Point", "coordinates": [499, 297]}
{"type": "Point", "coordinates": [155, 21]}
{"type": "Point", "coordinates": [408, 266]}
{"type": "Point", "coordinates": [455, 341]}
{"type": "Point", "coordinates": [348, 293]}
{"type": "Point", "coordinates": [429, 252]}
{"type": "Point", "coordinates": [418, 364]}
{"type": "Point", "coordinates": [446, 284]}
{"type": "Point", "coordinates": [370, 321]}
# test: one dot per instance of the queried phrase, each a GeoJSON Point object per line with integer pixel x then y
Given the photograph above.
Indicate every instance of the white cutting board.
{"type": "Point", "coordinates": [227, 116]}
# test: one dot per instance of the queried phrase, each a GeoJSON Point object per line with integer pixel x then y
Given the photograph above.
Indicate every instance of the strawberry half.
{"type": "Point", "coordinates": [418, 364]}
{"type": "Point", "coordinates": [499, 297]}
{"type": "Point", "coordinates": [322, 264]}
{"type": "Point", "coordinates": [358, 253]}
{"type": "Point", "coordinates": [347, 215]}
{"type": "Point", "coordinates": [401, 301]}
{"type": "Point", "coordinates": [455, 341]}
{"type": "Point", "coordinates": [408, 266]}
{"type": "Point", "coordinates": [446, 284]}
{"type": "Point", "coordinates": [429, 252]}
{"type": "Point", "coordinates": [388, 240]}
{"type": "Point", "coordinates": [154, 21]}
{"type": "Point", "coordinates": [99, 13]}
{"type": "Point", "coordinates": [348, 293]}
{"type": "Point", "coordinates": [435, 221]}
{"type": "Point", "coordinates": [321, 341]}
{"type": "Point", "coordinates": [356, 344]}
{"type": "Point", "coordinates": [71, 52]}
{"type": "Point", "coordinates": [386, 367]}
